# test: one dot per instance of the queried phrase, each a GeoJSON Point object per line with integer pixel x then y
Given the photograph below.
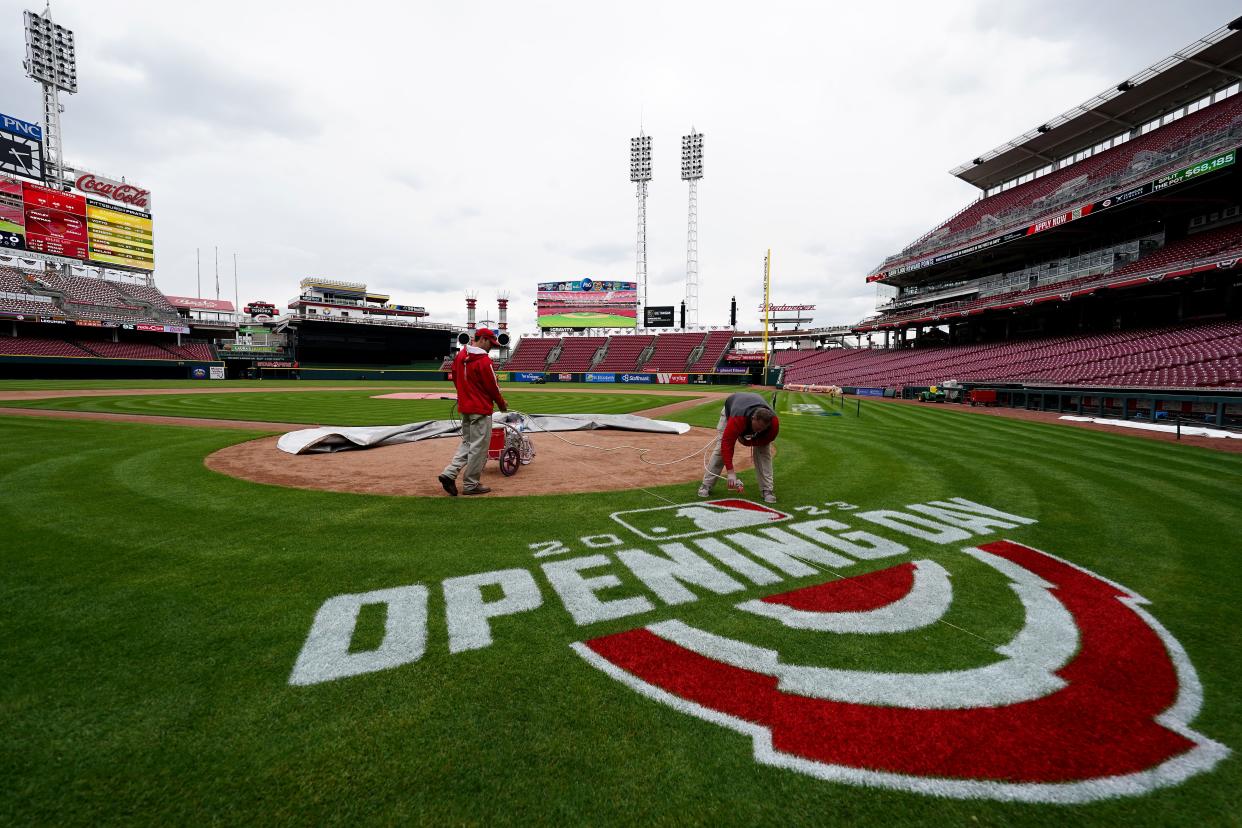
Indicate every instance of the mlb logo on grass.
{"type": "Point", "coordinates": [686, 520]}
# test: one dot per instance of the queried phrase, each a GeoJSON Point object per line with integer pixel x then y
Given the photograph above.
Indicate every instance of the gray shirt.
{"type": "Point", "coordinates": [744, 403]}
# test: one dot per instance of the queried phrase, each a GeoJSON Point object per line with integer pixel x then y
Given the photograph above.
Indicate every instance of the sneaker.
{"type": "Point", "coordinates": [704, 491]}
{"type": "Point", "coordinates": [479, 490]}
{"type": "Point", "coordinates": [449, 484]}
{"type": "Point", "coordinates": [769, 498]}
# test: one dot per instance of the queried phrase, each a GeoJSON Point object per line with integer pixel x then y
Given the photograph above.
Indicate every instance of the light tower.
{"type": "Point", "coordinates": [51, 60]}
{"type": "Point", "coordinates": [502, 310]}
{"type": "Point", "coordinates": [640, 173]}
{"type": "Point", "coordinates": [692, 171]}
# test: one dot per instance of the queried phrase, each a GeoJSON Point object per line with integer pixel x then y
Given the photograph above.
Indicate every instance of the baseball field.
{"type": "Point", "coordinates": [946, 618]}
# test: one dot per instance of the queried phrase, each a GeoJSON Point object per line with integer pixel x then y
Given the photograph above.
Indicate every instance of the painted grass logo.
{"type": "Point", "coordinates": [1092, 698]}
{"type": "Point", "coordinates": [686, 520]}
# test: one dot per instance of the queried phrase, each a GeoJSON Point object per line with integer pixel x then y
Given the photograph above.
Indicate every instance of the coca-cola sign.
{"type": "Point", "coordinates": [117, 191]}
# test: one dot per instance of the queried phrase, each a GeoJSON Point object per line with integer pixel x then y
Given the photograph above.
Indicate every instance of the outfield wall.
{"type": "Point", "coordinates": [623, 377]}
{"type": "Point", "coordinates": [85, 367]}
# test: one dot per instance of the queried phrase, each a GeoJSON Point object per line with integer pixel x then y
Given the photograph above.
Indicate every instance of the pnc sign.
{"type": "Point", "coordinates": [1089, 698]}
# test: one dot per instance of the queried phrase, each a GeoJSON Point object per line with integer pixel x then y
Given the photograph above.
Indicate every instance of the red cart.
{"type": "Point", "coordinates": [511, 447]}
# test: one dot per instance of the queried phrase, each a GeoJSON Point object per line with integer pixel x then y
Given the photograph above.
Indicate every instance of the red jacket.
{"type": "Point", "coordinates": [476, 382]}
{"type": "Point", "coordinates": [737, 429]}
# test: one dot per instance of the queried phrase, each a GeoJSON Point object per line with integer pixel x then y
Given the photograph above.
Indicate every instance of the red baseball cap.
{"type": "Point", "coordinates": [485, 333]}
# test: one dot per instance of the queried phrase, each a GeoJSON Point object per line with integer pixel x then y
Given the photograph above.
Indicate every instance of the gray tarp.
{"type": "Point", "coordinates": [343, 438]}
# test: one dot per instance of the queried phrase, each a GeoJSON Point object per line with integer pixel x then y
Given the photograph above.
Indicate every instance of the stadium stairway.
{"type": "Point", "coordinates": [577, 353]}
{"type": "Point", "coordinates": [623, 352]}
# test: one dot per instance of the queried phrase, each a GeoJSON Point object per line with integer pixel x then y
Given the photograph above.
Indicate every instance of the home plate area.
{"type": "Point", "coordinates": [587, 461]}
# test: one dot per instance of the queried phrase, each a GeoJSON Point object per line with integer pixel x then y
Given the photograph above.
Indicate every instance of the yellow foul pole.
{"type": "Point", "coordinates": [767, 303]}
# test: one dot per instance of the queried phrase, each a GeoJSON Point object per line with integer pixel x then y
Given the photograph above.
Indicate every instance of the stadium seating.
{"type": "Point", "coordinates": [672, 351]}
{"type": "Point", "coordinates": [577, 353]}
{"type": "Point", "coordinates": [531, 353]}
{"type": "Point", "coordinates": [624, 351]}
{"type": "Point", "coordinates": [25, 307]}
{"type": "Point", "coordinates": [713, 351]}
{"type": "Point", "coordinates": [112, 313]}
{"type": "Point", "coordinates": [148, 294]}
{"type": "Point", "coordinates": [1079, 179]}
{"type": "Point", "coordinates": [192, 350]}
{"type": "Point", "coordinates": [1217, 243]}
{"type": "Point", "coordinates": [13, 280]}
{"type": "Point", "coordinates": [84, 289]}
{"type": "Point", "coordinates": [125, 350]}
{"type": "Point", "coordinates": [1206, 355]}
{"type": "Point", "coordinates": [39, 346]}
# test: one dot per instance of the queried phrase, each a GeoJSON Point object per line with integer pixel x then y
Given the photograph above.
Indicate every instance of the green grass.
{"type": "Point", "coordinates": [337, 407]}
{"type": "Point", "coordinates": [152, 612]}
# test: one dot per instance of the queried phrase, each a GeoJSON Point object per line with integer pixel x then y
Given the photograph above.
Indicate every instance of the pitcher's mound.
{"type": "Point", "coordinates": [563, 463]}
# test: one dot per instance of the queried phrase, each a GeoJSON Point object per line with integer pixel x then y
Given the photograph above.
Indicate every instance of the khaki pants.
{"type": "Point", "coordinates": [762, 455]}
{"type": "Point", "coordinates": [476, 431]}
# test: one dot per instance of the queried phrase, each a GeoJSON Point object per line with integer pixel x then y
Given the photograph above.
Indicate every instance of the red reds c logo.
{"type": "Point", "coordinates": [1092, 698]}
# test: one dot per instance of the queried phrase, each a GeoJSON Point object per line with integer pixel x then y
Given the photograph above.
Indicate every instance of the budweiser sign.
{"type": "Point", "coordinates": [117, 191]}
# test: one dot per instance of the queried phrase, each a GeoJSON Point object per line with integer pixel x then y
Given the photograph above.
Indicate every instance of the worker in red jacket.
{"type": "Point", "coordinates": [476, 392]}
{"type": "Point", "coordinates": [748, 420]}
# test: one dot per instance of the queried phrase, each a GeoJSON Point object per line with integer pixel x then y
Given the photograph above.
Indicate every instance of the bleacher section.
{"type": "Point", "coordinates": [105, 349]}
{"type": "Point", "coordinates": [126, 350]}
{"type": "Point", "coordinates": [1077, 182]}
{"type": "Point", "coordinates": [1220, 243]}
{"type": "Point", "coordinates": [39, 346]}
{"type": "Point", "coordinates": [84, 297]}
{"type": "Point", "coordinates": [531, 353]}
{"type": "Point", "coordinates": [623, 352]}
{"type": "Point", "coordinates": [713, 352]}
{"type": "Point", "coordinates": [577, 353]}
{"type": "Point", "coordinates": [1199, 356]}
{"type": "Point", "coordinates": [672, 351]}
{"type": "Point", "coordinates": [148, 294]}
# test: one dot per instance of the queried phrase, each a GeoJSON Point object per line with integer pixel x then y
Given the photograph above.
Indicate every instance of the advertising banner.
{"type": "Point", "coordinates": [642, 379]}
{"type": "Point", "coordinates": [130, 195]}
{"type": "Point", "coordinates": [195, 303]}
{"type": "Point", "coordinates": [600, 377]}
{"type": "Point", "coordinates": [658, 316]}
{"type": "Point", "coordinates": [24, 129]}
{"type": "Point", "coordinates": [119, 236]}
{"type": "Point", "coordinates": [216, 371]}
{"type": "Point", "coordinates": [869, 392]}
{"type": "Point", "coordinates": [673, 379]}
{"type": "Point", "coordinates": [565, 377]}
{"type": "Point", "coordinates": [12, 215]}
{"type": "Point", "coordinates": [744, 356]}
{"type": "Point", "coordinates": [732, 369]}
{"type": "Point", "coordinates": [55, 221]}
{"type": "Point", "coordinates": [501, 376]}
{"type": "Point", "coordinates": [198, 373]}
{"type": "Point", "coordinates": [526, 376]}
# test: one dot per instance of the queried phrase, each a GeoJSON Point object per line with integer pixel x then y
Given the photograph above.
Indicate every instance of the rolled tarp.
{"type": "Point", "coordinates": [345, 438]}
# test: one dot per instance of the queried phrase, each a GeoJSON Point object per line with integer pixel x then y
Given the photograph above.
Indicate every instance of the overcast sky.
{"type": "Point", "coordinates": [433, 148]}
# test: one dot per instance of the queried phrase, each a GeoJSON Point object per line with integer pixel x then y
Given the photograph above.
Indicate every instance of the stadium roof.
{"type": "Point", "coordinates": [1212, 61]}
